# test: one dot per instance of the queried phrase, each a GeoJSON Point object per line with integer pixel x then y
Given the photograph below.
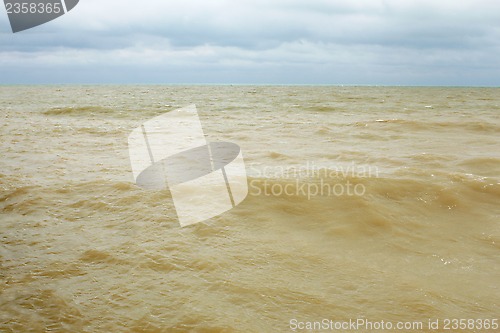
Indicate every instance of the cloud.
{"type": "Point", "coordinates": [283, 41]}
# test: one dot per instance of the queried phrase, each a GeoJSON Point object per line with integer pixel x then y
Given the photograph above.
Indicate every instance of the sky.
{"type": "Point", "coordinates": [365, 42]}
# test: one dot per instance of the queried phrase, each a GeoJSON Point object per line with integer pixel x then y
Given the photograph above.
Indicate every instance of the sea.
{"type": "Point", "coordinates": [369, 209]}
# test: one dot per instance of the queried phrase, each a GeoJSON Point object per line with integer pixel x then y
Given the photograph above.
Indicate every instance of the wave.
{"type": "Point", "coordinates": [75, 201]}
{"type": "Point", "coordinates": [349, 192]}
{"type": "Point", "coordinates": [277, 156]}
{"type": "Point", "coordinates": [407, 215]}
{"type": "Point", "coordinates": [412, 125]}
{"type": "Point", "coordinates": [79, 111]}
{"type": "Point", "coordinates": [488, 166]}
{"type": "Point", "coordinates": [452, 191]}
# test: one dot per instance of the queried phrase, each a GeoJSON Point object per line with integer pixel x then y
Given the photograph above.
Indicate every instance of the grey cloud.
{"type": "Point", "coordinates": [323, 39]}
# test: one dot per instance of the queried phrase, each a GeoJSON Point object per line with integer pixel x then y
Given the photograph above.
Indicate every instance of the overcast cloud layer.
{"type": "Point", "coordinates": [392, 42]}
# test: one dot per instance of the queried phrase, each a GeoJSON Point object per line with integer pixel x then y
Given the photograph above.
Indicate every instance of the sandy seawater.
{"type": "Point", "coordinates": [83, 249]}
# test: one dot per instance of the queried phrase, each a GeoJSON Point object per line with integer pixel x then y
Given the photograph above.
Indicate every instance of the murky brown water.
{"type": "Point", "coordinates": [83, 249]}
